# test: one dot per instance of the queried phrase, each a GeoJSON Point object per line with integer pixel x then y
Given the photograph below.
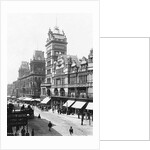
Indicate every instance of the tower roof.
{"type": "Point", "coordinates": [38, 55]}
{"type": "Point", "coordinates": [56, 34]}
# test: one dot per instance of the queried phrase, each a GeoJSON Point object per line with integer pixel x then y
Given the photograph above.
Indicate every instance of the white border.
{"type": "Point", "coordinates": [80, 142]}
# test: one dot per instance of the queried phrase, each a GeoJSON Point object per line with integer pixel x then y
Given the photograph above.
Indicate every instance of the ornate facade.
{"type": "Point", "coordinates": [56, 45]}
{"type": "Point", "coordinates": [67, 77]}
{"type": "Point", "coordinates": [72, 79]}
{"type": "Point", "coordinates": [31, 75]}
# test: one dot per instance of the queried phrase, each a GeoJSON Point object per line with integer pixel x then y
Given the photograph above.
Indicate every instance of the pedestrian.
{"type": "Point", "coordinates": [53, 109]}
{"type": "Point", "coordinates": [58, 110]}
{"type": "Point", "coordinates": [49, 125]}
{"type": "Point", "coordinates": [16, 133]}
{"type": "Point", "coordinates": [71, 130]}
{"type": "Point", "coordinates": [32, 133]}
{"type": "Point", "coordinates": [78, 114]}
{"type": "Point", "coordinates": [39, 116]}
{"type": "Point", "coordinates": [82, 118]}
{"type": "Point", "coordinates": [23, 131]}
{"type": "Point", "coordinates": [89, 118]}
{"type": "Point", "coordinates": [27, 134]}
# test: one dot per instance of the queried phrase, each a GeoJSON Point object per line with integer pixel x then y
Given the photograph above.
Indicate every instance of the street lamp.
{"type": "Point", "coordinates": [27, 125]}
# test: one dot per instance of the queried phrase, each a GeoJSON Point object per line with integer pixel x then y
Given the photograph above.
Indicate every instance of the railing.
{"type": "Point", "coordinates": [46, 84]}
{"type": "Point", "coordinates": [72, 85]}
{"type": "Point", "coordinates": [73, 96]}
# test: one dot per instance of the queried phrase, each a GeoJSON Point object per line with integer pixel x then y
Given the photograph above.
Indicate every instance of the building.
{"type": "Point", "coordinates": [9, 89]}
{"type": "Point", "coordinates": [30, 77]}
{"type": "Point", "coordinates": [56, 45]}
{"type": "Point", "coordinates": [72, 79]}
{"type": "Point", "coordinates": [67, 77]}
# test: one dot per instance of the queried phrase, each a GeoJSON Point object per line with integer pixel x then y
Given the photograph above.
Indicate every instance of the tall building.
{"type": "Point", "coordinates": [56, 45]}
{"type": "Point", "coordinates": [30, 77]}
{"type": "Point", "coordinates": [68, 79]}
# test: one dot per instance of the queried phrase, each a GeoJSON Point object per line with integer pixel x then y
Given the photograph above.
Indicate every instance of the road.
{"type": "Point", "coordinates": [61, 124]}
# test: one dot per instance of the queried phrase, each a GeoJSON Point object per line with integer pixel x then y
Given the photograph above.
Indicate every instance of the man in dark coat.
{"type": "Point", "coordinates": [23, 132]}
{"type": "Point", "coordinates": [71, 130]}
{"type": "Point", "coordinates": [82, 118]}
{"type": "Point", "coordinates": [32, 133]}
{"type": "Point", "coordinates": [49, 125]}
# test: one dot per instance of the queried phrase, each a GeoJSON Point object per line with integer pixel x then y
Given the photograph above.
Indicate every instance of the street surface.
{"type": "Point", "coordinates": [61, 124]}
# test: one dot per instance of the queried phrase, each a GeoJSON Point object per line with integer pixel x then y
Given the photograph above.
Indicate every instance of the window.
{"type": "Point", "coordinates": [73, 80]}
{"type": "Point", "coordinates": [43, 91]}
{"type": "Point", "coordinates": [49, 71]}
{"type": "Point", "coordinates": [48, 63]}
{"type": "Point", "coordinates": [48, 80]}
{"type": "Point", "coordinates": [57, 81]}
{"type": "Point", "coordinates": [63, 81]}
{"type": "Point", "coordinates": [83, 79]}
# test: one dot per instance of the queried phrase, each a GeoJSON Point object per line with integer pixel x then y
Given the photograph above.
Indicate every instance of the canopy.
{"type": "Point", "coordinates": [21, 98]}
{"type": "Point", "coordinates": [13, 97]}
{"type": "Point", "coordinates": [78, 104]}
{"type": "Point", "coordinates": [37, 99]}
{"type": "Point", "coordinates": [89, 106]}
{"type": "Point", "coordinates": [68, 103]}
{"type": "Point", "coordinates": [27, 99]}
{"type": "Point", "coordinates": [45, 100]}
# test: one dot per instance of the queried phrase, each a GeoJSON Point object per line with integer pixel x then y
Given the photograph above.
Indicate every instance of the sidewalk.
{"type": "Point", "coordinates": [63, 123]}
{"type": "Point", "coordinates": [40, 127]}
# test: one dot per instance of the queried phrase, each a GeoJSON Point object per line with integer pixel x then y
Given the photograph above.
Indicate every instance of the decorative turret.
{"type": "Point", "coordinates": [56, 35]}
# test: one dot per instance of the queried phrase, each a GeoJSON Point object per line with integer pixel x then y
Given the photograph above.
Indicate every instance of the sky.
{"type": "Point", "coordinates": [28, 32]}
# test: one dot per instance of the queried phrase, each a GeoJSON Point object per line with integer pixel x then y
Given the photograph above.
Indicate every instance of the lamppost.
{"type": "Point", "coordinates": [27, 134]}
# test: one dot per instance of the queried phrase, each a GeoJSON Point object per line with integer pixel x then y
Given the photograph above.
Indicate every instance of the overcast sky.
{"type": "Point", "coordinates": [28, 32]}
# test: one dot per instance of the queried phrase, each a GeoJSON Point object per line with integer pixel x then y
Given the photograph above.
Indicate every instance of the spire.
{"type": "Point", "coordinates": [56, 21]}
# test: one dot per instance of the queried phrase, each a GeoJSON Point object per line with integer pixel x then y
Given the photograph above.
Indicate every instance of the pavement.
{"type": "Point", "coordinates": [61, 124]}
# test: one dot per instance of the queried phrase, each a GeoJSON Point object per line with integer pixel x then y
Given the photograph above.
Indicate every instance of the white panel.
{"type": "Point", "coordinates": [124, 89]}
{"type": "Point", "coordinates": [121, 18]}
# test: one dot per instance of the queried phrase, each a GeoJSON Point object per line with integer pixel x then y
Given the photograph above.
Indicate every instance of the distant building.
{"type": "Point", "coordinates": [9, 89]}
{"type": "Point", "coordinates": [31, 75]}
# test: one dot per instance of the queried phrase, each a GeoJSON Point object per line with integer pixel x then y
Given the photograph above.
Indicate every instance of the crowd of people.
{"type": "Point", "coordinates": [21, 131]}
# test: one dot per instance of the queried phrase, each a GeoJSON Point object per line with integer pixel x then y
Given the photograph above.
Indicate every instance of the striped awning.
{"type": "Point", "coordinates": [68, 103]}
{"type": "Point", "coordinates": [89, 106]}
{"type": "Point", "coordinates": [78, 104]}
{"type": "Point", "coordinates": [27, 99]}
{"type": "Point", "coordinates": [45, 100]}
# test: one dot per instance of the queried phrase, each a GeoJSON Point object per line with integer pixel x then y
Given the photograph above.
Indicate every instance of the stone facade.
{"type": "Point", "coordinates": [56, 45]}
{"type": "Point", "coordinates": [31, 75]}
{"type": "Point", "coordinates": [69, 77]}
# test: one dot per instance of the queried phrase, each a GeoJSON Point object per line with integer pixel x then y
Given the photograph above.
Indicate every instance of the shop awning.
{"type": "Point", "coordinates": [89, 106]}
{"type": "Point", "coordinates": [13, 97]}
{"type": "Point", "coordinates": [45, 100]}
{"type": "Point", "coordinates": [21, 98]}
{"type": "Point", "coordinates": [68, 103]}
{"type": "Point", "coordinates": [27, 99]}
{"type": "Point", "coordinates": [36, 99]}
{"type": "Point", "coordinates": [78, 104]}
